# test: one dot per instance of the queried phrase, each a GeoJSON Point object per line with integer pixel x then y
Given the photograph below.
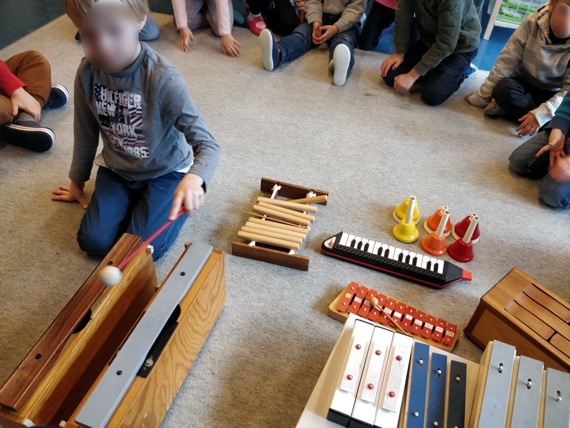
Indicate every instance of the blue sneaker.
{"type": "Point", "coordinates": [58, 97]}
{"type": "Point", "coordinates": [269, 51]}
{"type": "Point", "coordinates": [28, 134]}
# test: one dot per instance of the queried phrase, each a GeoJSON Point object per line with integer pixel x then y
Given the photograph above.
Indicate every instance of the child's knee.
{"type": "Point", "coordinates": [503, 90]}
{"type": "Point", "coordinates": [518, 162]}
{"type": "Point", "coordinates": [433, 97]}
{"type": "Point", "coordinates": [554, 194]}
{"type": "Point", "coordinates": [93, 242]}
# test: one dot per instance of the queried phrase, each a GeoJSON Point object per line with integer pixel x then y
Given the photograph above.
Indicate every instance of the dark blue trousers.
{"type": "Point", "coordinates": [138, 207]}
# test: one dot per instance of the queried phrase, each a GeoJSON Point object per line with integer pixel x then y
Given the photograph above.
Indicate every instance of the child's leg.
{"type": "Point", "coordinates": [282, 19]}
{"type": "Point", "coordinates": [196, 18]}
{"type": "Point", "coordinates": [255, 20]}
{"type": "Point", "coordinates": [523, 160]}
{"type": "Point", "coordinates": [341, 54]}
{"type": "Point", "coordinates": [379, 18]}
{"type": "Point", "coordinates": [297, 43]}
{"type": "Point", "coordinates": [150, 30]}
{"type": "Point", "coordinates": [517, 96]}
{"type": "Point", "coordinates": [347, 38]}
{"type": "Point", "coordinates": [411, 58]}
{"type": "Point", "coordinates": [108, 215]}
{"type": "Point", "coordinates": [554, 193]}
{"type": "Point", "coordinates": [5, 110]}
{"type": "Point", "coordinates": [443, 80]}
{"type": "Point", "coordinates": [152, 212]}
{"type": "Point", "coordinates": [212, 14]}
{"type": "Point", "coordinates": [35, 71]}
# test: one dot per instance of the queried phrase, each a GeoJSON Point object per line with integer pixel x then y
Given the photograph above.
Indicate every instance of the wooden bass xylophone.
{"type": "Point", "coordinates": [375, 377]}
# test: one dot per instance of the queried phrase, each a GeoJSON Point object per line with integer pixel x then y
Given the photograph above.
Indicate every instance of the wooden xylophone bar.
{"type": "Point", "coordinates": [355, 299]}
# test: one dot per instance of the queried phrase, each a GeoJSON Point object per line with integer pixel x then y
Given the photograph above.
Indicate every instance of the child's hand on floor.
{"type": "Point", "coordinates": [392, 62]}
{"type": "Point", "coordinates": [555, 145]}
{"type": "Point", "coordinates": [21, 100]}
{"type": "Point", "coordinates": [230, 46]}
{"type": "Point", "coordinates": [186, 37]}
{"type": "Point", "coordinates": [327, 33]}
{"type": "Point", "coordinates": [561, 169]}
{"type": "Point", "coordinates": [404, 82]}
{"type": "Point", "coordinates": [529, 125]}
{"type": "Point", "coordinates": [189, 194]}
{"type": "Point", "coordinates": [476, 100]}
{"type": "Point", "coordinates": [73, 192]}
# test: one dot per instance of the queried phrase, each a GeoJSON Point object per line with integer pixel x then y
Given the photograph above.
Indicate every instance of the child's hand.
{"type": "Point", "coordinates": [186, 37]}
{"type": "Point", "coordinates": [327, 32]}
{"type": "Point", "coordinates": [529, 125]}
{"type": "Point", "coordinates": [230, 46]}
{"type": "Point", "coordinates": [392, 62]}
{"type": "Point", "coordinates": [21, 100]}
{"type": "Point", "coordinates": [561, 169]}
{"type": "Point", "coordinates": [73, 192]}
{"type": "Point", "coordinates": [189, 194]}
{"type": "Point", "coordinates": [476, 100]}
{"type": "Point", "coordinates": [316, 31]}
{"type": "Point", "coordinates": [404, 82]}
{"type": "Point", "coordinates": [555, 145]}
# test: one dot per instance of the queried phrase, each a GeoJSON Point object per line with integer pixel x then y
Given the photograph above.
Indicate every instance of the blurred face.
{"type": "Point", "coordinates": [560, 18]}
{"type": "Point", "coordinates": [110, 36]}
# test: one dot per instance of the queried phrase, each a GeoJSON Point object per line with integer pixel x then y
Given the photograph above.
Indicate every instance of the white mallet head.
{"type": "Point", "coordinates": [111, 275]}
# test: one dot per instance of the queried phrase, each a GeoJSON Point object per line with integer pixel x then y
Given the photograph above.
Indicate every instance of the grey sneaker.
{"type": "Point", "coordinates": [339, 64]}
{"type": "Point", "coordinates": [494, 110]}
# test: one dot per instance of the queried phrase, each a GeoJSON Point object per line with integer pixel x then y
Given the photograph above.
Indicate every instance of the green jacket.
{"type": "Point", "coordinates": [444, 26]}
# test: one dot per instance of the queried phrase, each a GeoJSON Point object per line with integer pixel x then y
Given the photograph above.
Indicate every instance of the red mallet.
{"type": "Point", "coordinates": [460, 229]}
{"type": "Point", "coordinates": [432, 222]}
{"type": "Point", "coordinates": [434, 243]}
{"type": "Point", "coordinates": [462, 249]}
{"type": "Point", "coordinates": [111, 275]}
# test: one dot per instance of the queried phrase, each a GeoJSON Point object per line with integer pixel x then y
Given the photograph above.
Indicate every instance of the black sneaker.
{"type": "Point", "coordinates": [28, 134]}
{"type": "Point", "coordinates": [58, 97]}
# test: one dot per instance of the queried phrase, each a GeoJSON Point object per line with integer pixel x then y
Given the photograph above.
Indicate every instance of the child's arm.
{"type": "Point", "coordinates": [86, 141]}
{"type": "Point", "coordinates": [13, 87]}
{"type": "Point", "coordinates": [351, 15]}
{"type": "Point", "coordinates": [181, 21]}
{"type": "Point", "coordinates": [230, 45]}
{"type": "Point", "coordinates": [507, 63]}
{"type": "Point", "coordinates": [300, 8]}
{"type": "Point", "coordinates": [548, 109]}
{"type": "Point", "coordinates": [403, 22]}
{"type": "Point", "coordinates": [8, 80]}
{"type": "Point", "coordinates": [313, 11]}
{"type": "Point", "coordinates": [560, 126]}
{"type": "Point", "coordinates": [178, 105]}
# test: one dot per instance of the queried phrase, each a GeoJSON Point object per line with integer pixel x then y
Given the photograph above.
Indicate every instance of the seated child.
{"type": "Point", "coordinates": [191, 15]}
{"type": "Point", "coordinates": [280, 16]}
{"type": "Point", "coordinates": [157, 156]}
{"type": "Point", "coordinates": [335, 22]}
{"type": "Point", "coordinates": [448, 40]}
{"type": "Point", "coordinates": [546, 157]}
{"type": "Point", "coordinates": [380, 17]}
{"type": "Point", "coordinates": [26, 89]}
{"type": "Point", "coordinates": [532, 73]}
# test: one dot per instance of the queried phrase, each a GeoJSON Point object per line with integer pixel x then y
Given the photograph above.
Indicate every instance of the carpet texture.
{"type": "Point", "coordinates": [363, 143]}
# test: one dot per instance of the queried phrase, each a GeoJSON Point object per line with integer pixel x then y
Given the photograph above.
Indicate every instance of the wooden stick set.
{"type": "Point", "coordinates": [276, 228]}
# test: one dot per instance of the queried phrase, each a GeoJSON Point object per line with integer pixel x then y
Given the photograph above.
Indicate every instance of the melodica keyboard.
{"type": "Point", "coordinates": [386, 258]}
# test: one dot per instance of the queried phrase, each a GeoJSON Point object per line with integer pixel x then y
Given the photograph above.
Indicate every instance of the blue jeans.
{"type": "Point", "coordinates": [523, 162]}
{"type": "Point", "coordinates": [150, 30]}
{"type": "Point", "coordinates": [138, 207]}
{"type": "Point", "coordinates": [301, 40]}
{"type": "Point", "coordinates": [440, 82]}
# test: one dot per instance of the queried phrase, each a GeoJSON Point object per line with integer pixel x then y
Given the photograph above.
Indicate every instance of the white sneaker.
{"type": "Point", "coordinates": [268, 50]}
{"type": "Point", "coordinates": [341, 61]}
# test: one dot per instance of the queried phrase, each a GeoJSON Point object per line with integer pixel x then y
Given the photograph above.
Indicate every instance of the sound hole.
{"type": "Point", "coordinates": [83, 323]}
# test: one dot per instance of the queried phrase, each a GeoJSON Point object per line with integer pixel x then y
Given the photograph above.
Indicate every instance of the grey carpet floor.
{"type": "Point", "coordinates": [363, 143]}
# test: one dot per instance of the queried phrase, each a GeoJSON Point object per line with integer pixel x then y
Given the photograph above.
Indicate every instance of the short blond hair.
{"type": "Point", "coordinates": [77, 9]}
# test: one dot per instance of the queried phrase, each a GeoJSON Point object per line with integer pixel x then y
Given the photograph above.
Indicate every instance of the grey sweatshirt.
{"type": "Point", "coordinates": [350, 10]}
{"type": "Point", "coordinates": [147, 121]}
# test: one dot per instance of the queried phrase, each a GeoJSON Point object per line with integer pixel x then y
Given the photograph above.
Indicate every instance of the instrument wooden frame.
{"type": "Point", "coordinates": [79, 360]}
{"type": "Point", "coordinates": [275, 255]}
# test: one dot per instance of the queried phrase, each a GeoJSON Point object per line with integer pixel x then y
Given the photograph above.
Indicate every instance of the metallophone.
{"type": "Point", "coordinates": [375, 377]}
{"type": "Point", "coordinates": [358, 299]}
{"type": "Point", "coordinates": [386, 258]}
{"type": "Point", "coordinates": [116, 356]}
{"type": "Point", "coordinates": [278, 227]}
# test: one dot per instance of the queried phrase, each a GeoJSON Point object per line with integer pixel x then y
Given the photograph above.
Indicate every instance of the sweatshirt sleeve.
{"type": "Point", "coordinates": [313, 11]}
{"type": "Point", "coordinates": [404, 19]}
{"type": "Point", "coordinates": [224, 19]}
{"type": "Point", "coordinates": [351, 15]}
{"type": "Point", "coordinates": [509, 59]}
{"type": "Point", "coordinates": [8, 80]}
{"type": "Point", "coordinates": [85, 132]}
{"type": "Point", "coordinates": [180, 15]}
{"type": "Point", "coordinates": [188, 120]}
{"type": "Point", "coordinates": [547, 109]}
{"type": "Point", "coordinates": [562, 116]}
{"type": "Point", "coordinates": [449, 15]}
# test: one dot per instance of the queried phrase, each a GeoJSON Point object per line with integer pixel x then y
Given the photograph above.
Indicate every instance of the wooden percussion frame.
{"type": "Point", "coordinates": [57, 377]}
{"type": "Point", "coordinates": [279, 246]}
{"type": "Point", "coordinates": [520, 311]}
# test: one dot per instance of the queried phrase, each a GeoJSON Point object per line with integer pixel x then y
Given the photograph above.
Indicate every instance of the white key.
{"type": "Point", "coordinates": [433, 264]}
{"type": "Point", "coordinates": [371, 246]}
{"type": "Point", "coordinates": [425, 262]}
{"type": "Point", "coordinates": [419, 260]}
{"type": "Point", "coordinates": [349, 240]}
{"type": "Point", "coordinates": [377, 246]}
{"type": "Point", "coordinates": [440, 264]}
{"type": "Point", "coordinates": [384, 248]}
{"type": "Point", "coordinates": [391, 252]}
{"type": "Point", "coordinates": [343, 239]}
{"type": "Point", "coordinates": [397, 254]}
{"type": "Point", "coordinates": [405, 254]}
